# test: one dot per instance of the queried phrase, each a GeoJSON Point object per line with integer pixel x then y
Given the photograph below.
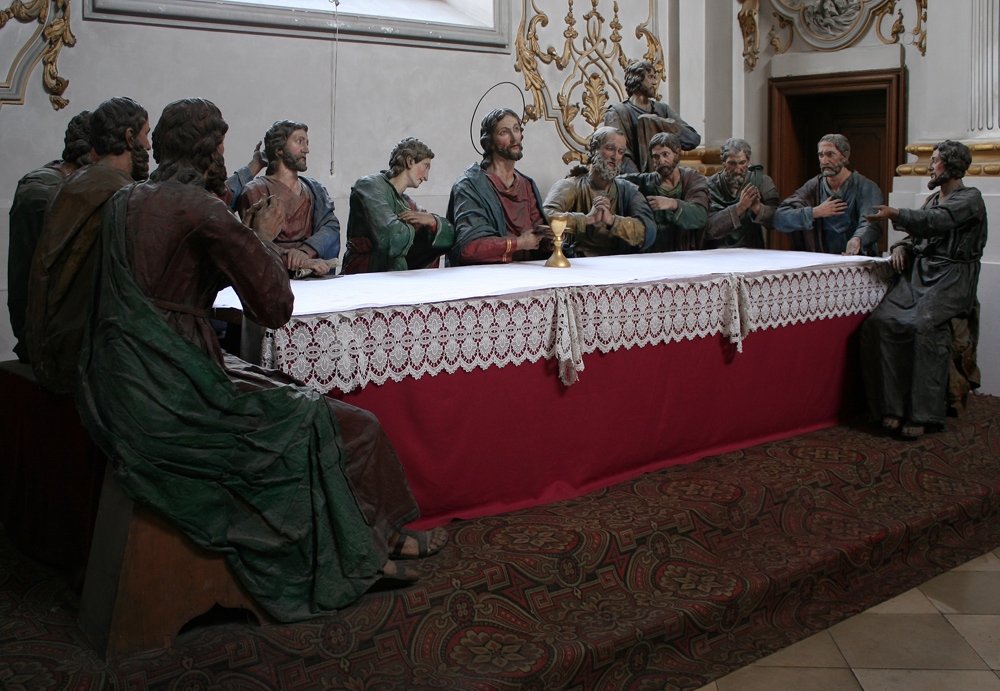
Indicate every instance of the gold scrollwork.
{"type": "Point", "coordinates": [590, 68]}
{"type": "Point", "coordinates": [747, 18]}
{"type": "Point", "coordinates": [56, 34]}
{"type": "Point", "coordinates": [898, 29]}
{"type": "Point", "coordinates": [775, 40]}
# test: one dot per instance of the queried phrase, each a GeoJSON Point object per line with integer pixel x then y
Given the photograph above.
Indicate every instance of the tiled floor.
{"type": "Point", "coordinates": [942, 636]}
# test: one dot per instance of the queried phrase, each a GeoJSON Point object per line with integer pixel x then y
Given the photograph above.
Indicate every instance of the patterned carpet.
{"type": "Point", "coordinates": [665, 582]}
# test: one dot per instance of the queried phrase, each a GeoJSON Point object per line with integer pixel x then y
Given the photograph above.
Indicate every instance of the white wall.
{"type": "Point", "coordinates": [386, 92]}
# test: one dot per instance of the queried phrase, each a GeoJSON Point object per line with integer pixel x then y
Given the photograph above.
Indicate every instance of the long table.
{"type": "Point", "coordinates": [508, 386]}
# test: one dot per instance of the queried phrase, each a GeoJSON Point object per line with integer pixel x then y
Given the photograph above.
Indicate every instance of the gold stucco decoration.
{"type": "Point", "coordinates": [589, 65]}
{"type": "Point", "coordinates": [985, 159]}
{"type": "Point", "coordinates": [52, 34]}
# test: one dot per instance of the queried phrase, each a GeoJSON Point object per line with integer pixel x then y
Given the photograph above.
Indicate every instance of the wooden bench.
{"type": "Point", "coordinates": [145, 580]}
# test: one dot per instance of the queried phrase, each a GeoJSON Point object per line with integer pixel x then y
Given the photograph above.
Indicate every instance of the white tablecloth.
{"type": "Point", "coordinates": [399, 288]}
{"type": "Point", "coordinates": [358, 330]}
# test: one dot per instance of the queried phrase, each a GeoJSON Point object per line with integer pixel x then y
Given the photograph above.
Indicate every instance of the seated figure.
{"type": "Point", "coordinates": [62, 270]}
{"type": "Point", "coordinates": [827, 214]}
{"type": "Point", "coordinates": [906, 343]}
{"type": "Point", "coordinates": [609, 215]}
{"type": "Point", "coordinates": [678, 196]}
{"type": "Point", "coordinates": [303, 495]}
{"type": "Point", "coordinates": [744, 200]}
{"type": "Point", "coordinates": [640, 117]}
{"type": "Point", "coordinates": [310, 235]}
{"type": "Point", "coordinates": [27, 212]}
{"type": "Point", "coordinates": [496, 209]}
{"type": "Point", "coordinates": [386, 230]}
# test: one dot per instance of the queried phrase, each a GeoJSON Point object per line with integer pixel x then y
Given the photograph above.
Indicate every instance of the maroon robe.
{"type": "Point", "coordinates": [186, 246]}
{"type": "Point", "coordinates": [520, 214]}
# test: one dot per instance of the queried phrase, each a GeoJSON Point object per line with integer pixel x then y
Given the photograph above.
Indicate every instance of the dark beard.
{"type": "Point", "coordinates": [140, 163]}
{"type": "Point", "coordinates": [605, 170]}
{"type": "Point", "coordinates": [666, 171]}
{"type": "Point", "coordinates": [735, 181]}
{"type": "Point", "coordinates": [297, 163]}
{"type": "Point", "coordinates": [938, 180]}
{"type": "Point", "coordinates": [215, 176]}
{"type": "Point", "coordinates": [510, 153]}
{"type": "Point", "coordinates": [641, 88]}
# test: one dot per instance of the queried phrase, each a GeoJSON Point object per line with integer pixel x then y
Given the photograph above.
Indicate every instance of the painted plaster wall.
{"type": "Point", "coordinates": [383, 93]}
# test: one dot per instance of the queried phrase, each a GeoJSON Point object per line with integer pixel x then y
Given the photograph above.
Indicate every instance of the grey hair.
{"type": "Point", "coordinates": [733, 146]}
{"type": "Point", "coordinates": [598, 137]}
{"type": "Point", "coordinates": [839, 141]}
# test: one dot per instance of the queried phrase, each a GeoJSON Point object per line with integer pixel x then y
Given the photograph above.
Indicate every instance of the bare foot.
{"type": "Point", "coordinates": [911, 430]}
{"type": "Point", "coordinates": [417, 544]}
{"type": "Point", "coordinates": [891, 422]}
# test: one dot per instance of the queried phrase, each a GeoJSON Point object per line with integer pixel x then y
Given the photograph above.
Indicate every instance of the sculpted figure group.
{"type": "Point", "coordinates": [116, 305]}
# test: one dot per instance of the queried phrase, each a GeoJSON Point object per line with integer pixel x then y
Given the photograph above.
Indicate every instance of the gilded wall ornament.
{"type": "Point", "coordinates": [747, 19]}
{"type": "Point", "coordinates": [837, 24]}
{"type": "Point", "coordinates": [45, 43]}
{"type": "Point", "coordinates": [586, 67]}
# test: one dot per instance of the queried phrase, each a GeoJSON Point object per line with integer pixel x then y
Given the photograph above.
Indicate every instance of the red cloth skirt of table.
{"type": "Point", "coordinates": [50, 473]}
{"type": "Point", "coordinates": [489, 441]}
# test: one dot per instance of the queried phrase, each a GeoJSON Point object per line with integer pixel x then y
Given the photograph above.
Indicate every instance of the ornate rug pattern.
{"type": "Point", "coordinates": [664, 582]}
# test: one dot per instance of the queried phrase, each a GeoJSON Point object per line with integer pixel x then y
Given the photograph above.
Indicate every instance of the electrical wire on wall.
{"type": "Point", "coordinates": [334, 56]}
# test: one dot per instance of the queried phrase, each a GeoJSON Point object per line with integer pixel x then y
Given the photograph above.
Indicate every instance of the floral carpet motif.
{"type": "Point", "coordinates": [665, 582]}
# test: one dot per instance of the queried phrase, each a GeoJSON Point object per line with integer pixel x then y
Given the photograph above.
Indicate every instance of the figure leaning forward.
{"type": "Point", "coordinates": [303, 495]}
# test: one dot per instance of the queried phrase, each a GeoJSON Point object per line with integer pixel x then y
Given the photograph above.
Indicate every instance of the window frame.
{"type": "Point", "coordinates": [233, 16]}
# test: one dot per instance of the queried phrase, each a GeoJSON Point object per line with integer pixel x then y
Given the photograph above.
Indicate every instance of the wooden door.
{"type": "Point", "coordinates": [869, 108]}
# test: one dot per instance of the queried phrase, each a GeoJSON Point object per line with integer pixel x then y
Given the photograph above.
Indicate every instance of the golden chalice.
{"type": "Point", "coordinates": [558, 222]}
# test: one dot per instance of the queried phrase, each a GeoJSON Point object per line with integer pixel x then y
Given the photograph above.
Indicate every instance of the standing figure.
{"type": "Point", "coordinates": [27, 212]}
{"type": "Point", "coordinates": [496, 209]}
{"type": "Point", "coordinates": [906, 341]}
{"type": "Point", "coordinates": [310, 236]}
{"type": "Point", "coordinates": [678, 196]}
{"type": "Point", "coordinates": [62, 270]}
{"type": "Point", "coordinates": [743, 200]}
{"type": "Point", "coordinates": [640, 117]}
{"type": "Point", "coordinates": [827, 214]}
{"type": "Point", "coordinates": [386, 230]}
{"type": "Point", "coordinates": [303, 495]}
{"type": "Point", "coordinates": [609, 215]}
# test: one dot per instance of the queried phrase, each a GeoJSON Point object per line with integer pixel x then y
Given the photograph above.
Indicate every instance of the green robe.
{"type": "Point", "coordinates": [374, 225]}
{"type": "Point", "coordinates": [256, 475]}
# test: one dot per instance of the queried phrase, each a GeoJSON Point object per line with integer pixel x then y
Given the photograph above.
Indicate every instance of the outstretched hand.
{"type": "Point", "coordinates": [880, 212]}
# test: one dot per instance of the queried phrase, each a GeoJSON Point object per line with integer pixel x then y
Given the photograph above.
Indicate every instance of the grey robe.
{"type": "Point", "coordinates": [906, 341]}
{"type": "Point", "coordinates": [726, 228]}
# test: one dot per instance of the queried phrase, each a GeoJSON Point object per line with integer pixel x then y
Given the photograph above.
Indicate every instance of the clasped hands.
{"type": "Point", "coordinates": [600, 212]}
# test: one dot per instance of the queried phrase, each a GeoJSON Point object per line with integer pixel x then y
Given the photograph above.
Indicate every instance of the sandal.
{"type": "Point", "coordinates": [422, 545]}
{"type": "Point", "coordinates": [911, 431]}
{"type": "Point", "coordinates": [403, 577]}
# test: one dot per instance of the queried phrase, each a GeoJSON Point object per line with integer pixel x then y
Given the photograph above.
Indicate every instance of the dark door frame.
{"type": "Point", "coordinates": [784, 154]}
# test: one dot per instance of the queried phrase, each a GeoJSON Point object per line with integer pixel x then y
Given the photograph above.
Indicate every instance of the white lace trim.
{"type": "Point", "coordinates": [349, 350]}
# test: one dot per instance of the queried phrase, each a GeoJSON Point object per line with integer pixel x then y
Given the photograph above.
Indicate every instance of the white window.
{"type": "Point", "coordinates": [461, 24]}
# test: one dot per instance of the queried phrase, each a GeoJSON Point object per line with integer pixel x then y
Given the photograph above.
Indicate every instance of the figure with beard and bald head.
{"type": "Point", "coordinates": [27, 213]}
{"type": "Point", "coordinates": [906, 343]}
{"type": "Point", "coordinates": [827, 214]}
{"type": "Point", "coordinates": [62, 267]}
{"type": "Point", "coordinates": [743, 200]}
{"type": "Point", "coordinates": [310, 236]}
{"type": "Point", "coordinates": [609, 215]}
{"type": "Point", "coordinates": [640, 117]}
{"type": "Point", "coordinates": [496, 210]}
{"type": "Point", "coordinates": [303, 495]}
{"type": "Point", "coordinates": [678, 196]}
